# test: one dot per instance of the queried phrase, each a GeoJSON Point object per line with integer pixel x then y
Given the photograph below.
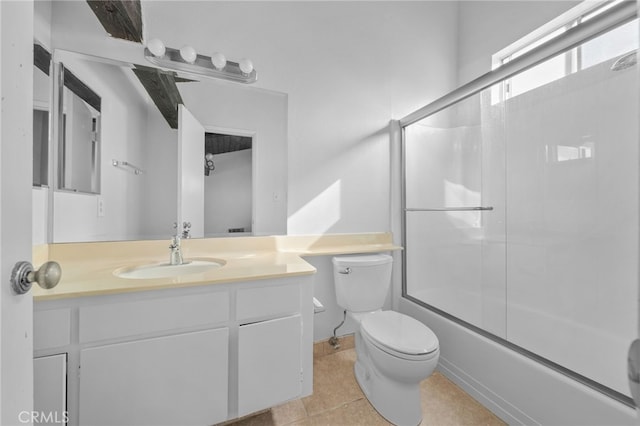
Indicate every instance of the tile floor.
{"type": "Point", "coordinates": [338, 400]}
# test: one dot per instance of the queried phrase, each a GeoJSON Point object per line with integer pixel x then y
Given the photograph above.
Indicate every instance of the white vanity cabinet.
{"type": "Point", "coordinates": [191, 356]}
{"type": "Point", "coordinates": [50, 389]}
{"type": "Point", "coordinates": [51, 338]}
{"type": "Point", "coordinates": [269, 349]}
{"type": "Point", "coordinates": [171, 380]}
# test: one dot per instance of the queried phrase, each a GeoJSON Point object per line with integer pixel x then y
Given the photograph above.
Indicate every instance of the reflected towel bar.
{"type": "Point", "coordinates": [126, 165]}
{"type": "Point", "coordinates": [450, 209]}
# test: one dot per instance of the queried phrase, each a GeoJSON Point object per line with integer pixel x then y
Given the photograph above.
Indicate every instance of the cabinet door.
{"type": "Point", "coordinates": [181, 379]}
{"type": "Point", "coordinates": [269, 369]}
{"type": "Point", "coordinates": [50, 389]}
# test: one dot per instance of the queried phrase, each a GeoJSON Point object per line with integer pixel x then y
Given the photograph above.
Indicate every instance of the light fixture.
{"type": "Point", "coordinates": [246, 66]}
{"type": "Point", "coordinates": [156, 47]}
{"type": "Point", "coordinates": [218, 60]}
{"type": "Point", "coordinates": [208, 164]}
{"type": "Point", "coordinates": [188, 60]}
{"type": "Point", "coordinates": [188, 53]}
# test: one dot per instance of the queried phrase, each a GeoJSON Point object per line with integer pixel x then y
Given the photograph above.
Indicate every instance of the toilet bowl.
{"type": "Point", "coordinates": [394, 351]}
{"type": "Point", "coordinates": [394, 354]}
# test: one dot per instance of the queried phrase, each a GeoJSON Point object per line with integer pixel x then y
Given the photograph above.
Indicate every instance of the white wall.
{"type": "Point", "coordinates": [228, 193]}
{"type": "Point", "coordinates": [348, 68]}
{"type": "Point", "coordinates": [159, 200]}
{"type": "Point", "coordinates": [486, 27]}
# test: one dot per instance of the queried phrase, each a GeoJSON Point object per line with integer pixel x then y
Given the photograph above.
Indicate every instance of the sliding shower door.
{"type": "Point", "coordinates": [454, 197]}
{"type": "Point", "coordinates": [521, 210]}
{"type": "Point", "coordinates": [572, 212]}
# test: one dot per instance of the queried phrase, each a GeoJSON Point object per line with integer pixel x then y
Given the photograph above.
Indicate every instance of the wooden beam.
{"type": "Point", "coordinates": [120, 18]}
{"type": "Point", "coordinates": [41, 58]}
{"type": "Point", "coordinates": [163, 90]}
{"type": "Point", "coordinates": [81, 90]}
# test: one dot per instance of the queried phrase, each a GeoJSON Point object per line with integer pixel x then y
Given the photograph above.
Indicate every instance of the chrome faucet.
{"type": "Point", "coordinates": [186, 229]}
{"type": "Point", "coordinates": [175, 258]}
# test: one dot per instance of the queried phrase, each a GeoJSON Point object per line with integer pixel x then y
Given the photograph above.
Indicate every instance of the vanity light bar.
{"type": "Point", "coordinates": [202, 65]}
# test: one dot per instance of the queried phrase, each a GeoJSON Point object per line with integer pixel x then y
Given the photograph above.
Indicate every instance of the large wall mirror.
{"type": "Point", "coordinates": [123, 179]}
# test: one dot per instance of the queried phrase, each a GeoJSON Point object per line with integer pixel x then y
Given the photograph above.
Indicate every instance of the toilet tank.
{"type": "Point", "coordinates": [362, 281]}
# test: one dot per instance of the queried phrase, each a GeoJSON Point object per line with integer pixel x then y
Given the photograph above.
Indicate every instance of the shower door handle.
{"type": "Point", "coordinates": [452, 209]}
{"type": "Point", "coordinates": [633, 370]}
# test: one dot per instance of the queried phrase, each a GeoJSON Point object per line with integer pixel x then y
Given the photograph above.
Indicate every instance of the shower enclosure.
{"type": "Point", "coordinates": [520, 199]}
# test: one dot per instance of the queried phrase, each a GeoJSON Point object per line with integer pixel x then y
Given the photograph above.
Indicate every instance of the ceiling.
{"type": "Point", "coordinates": [217, 143]}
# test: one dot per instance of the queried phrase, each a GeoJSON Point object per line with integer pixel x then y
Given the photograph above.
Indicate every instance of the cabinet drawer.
{"type": "Point", "coordinates": [51, 328]}
{"type": "Point", "coordinates": [116, 320]}
{"type": "Point", "coordinates": [267, 302]}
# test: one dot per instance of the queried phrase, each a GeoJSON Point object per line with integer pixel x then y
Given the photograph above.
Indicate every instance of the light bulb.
{"type": "Point", "coordinates": [188, 53]}
{"type": "Point", "coordinates": [156, 47]}
{"type": "Point", "coordinates": [246, 66]}
{"type": "Point", "coordinates": [218, 60]}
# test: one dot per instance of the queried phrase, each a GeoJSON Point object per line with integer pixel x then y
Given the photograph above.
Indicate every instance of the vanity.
{"type": "Point", "coordinates": [194, 349]}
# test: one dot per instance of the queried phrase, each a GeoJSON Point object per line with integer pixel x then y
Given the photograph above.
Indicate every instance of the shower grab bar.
{"type": "Point", "coordinates": [451, 209]}
{"type": "Point", "coordinates": [619, 14]}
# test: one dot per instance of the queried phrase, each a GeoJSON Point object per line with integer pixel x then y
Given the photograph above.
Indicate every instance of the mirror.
{"type": "Point", "coordinates": [41, 128]}
{"type": "Point", "coordinates": [79, 140]}
{"type": "Point", "coordinates": [41, 108]}
{"type": "Point", "coordinates": [137, 157]}
{"type": "Point", "coordinates": [229, 157]}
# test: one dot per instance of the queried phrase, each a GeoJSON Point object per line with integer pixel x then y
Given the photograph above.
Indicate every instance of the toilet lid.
{"type": "Point", "coordinates": [400, 333]}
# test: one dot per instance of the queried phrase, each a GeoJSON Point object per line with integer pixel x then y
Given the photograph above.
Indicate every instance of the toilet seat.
{"type": "Point", "coordinates": [399, 335]}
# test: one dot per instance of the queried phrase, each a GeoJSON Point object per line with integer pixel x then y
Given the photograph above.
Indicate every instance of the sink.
{"type": "Point", "coordinates": [166, 270]}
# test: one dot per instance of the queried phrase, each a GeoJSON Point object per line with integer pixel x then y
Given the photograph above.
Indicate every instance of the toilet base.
{"type": "Point", "coordinates": [399, 405]}
{"type": "Point", "coordinates": [397, 399]}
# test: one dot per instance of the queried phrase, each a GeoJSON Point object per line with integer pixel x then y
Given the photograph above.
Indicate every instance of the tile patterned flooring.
{"type": "Point", "coordinates": [338, 400]}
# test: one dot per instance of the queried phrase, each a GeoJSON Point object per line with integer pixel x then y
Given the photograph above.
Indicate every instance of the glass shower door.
{"type": "Point", "coordinates": [454, 197]}
{"type": "Point", "coordinates": [572, 208]}
{"type": "Point", "coordinates": [521, 211]}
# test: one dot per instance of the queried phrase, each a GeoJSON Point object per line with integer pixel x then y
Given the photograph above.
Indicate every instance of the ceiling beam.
{"type": "Point", "coordinates": [120, 18]}
{"type": "Point", "coordinates": [161, 87]}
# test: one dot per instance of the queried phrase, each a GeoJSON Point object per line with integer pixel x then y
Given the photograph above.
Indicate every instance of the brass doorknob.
{"type": "Point", "coordinates": [23, 276]}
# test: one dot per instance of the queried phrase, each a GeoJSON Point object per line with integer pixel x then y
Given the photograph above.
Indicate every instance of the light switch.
{"type": "Point", "coordinates": [100, 207]}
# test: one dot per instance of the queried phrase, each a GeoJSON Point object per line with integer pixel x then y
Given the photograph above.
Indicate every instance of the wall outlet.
{"type": "Point", "coordinates": [100, 207]}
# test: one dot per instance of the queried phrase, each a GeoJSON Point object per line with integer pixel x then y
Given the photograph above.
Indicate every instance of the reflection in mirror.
{"type": "Point", "coordinates": [79, 144]}
{"type": "Point", "coordinates": [139, 201]}
{"type": "Point", "coordinates": [41, 93]}
{"type": "Point", "coordinates": [41, 129]}
{"type": "Point", "coordinates": [228, 176]}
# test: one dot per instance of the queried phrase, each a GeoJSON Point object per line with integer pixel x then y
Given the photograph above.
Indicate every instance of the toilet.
{"type": "Point", "coordinates": [394, 351]}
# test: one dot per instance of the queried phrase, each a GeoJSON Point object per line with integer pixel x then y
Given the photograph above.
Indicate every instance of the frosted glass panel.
{"type": "Point", "coordinates": [443, 159]}
{"type": "Point", "coordinates": [572, 208]}
{"type": "Point", "coordinates": [446, 259]}
{"type": "Point", "coordinates": [454, 161]}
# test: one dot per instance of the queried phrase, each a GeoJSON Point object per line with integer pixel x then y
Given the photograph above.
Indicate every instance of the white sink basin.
{"type": "Point", "coordinates": [166, 270]}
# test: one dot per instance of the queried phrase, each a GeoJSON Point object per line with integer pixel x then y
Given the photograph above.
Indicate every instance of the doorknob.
{"type": "Point", "coordinates": [23, 276]}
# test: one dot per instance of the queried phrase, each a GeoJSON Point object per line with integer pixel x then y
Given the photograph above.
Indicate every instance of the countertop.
{"type": "Point", "coordinates": [88, 268]}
